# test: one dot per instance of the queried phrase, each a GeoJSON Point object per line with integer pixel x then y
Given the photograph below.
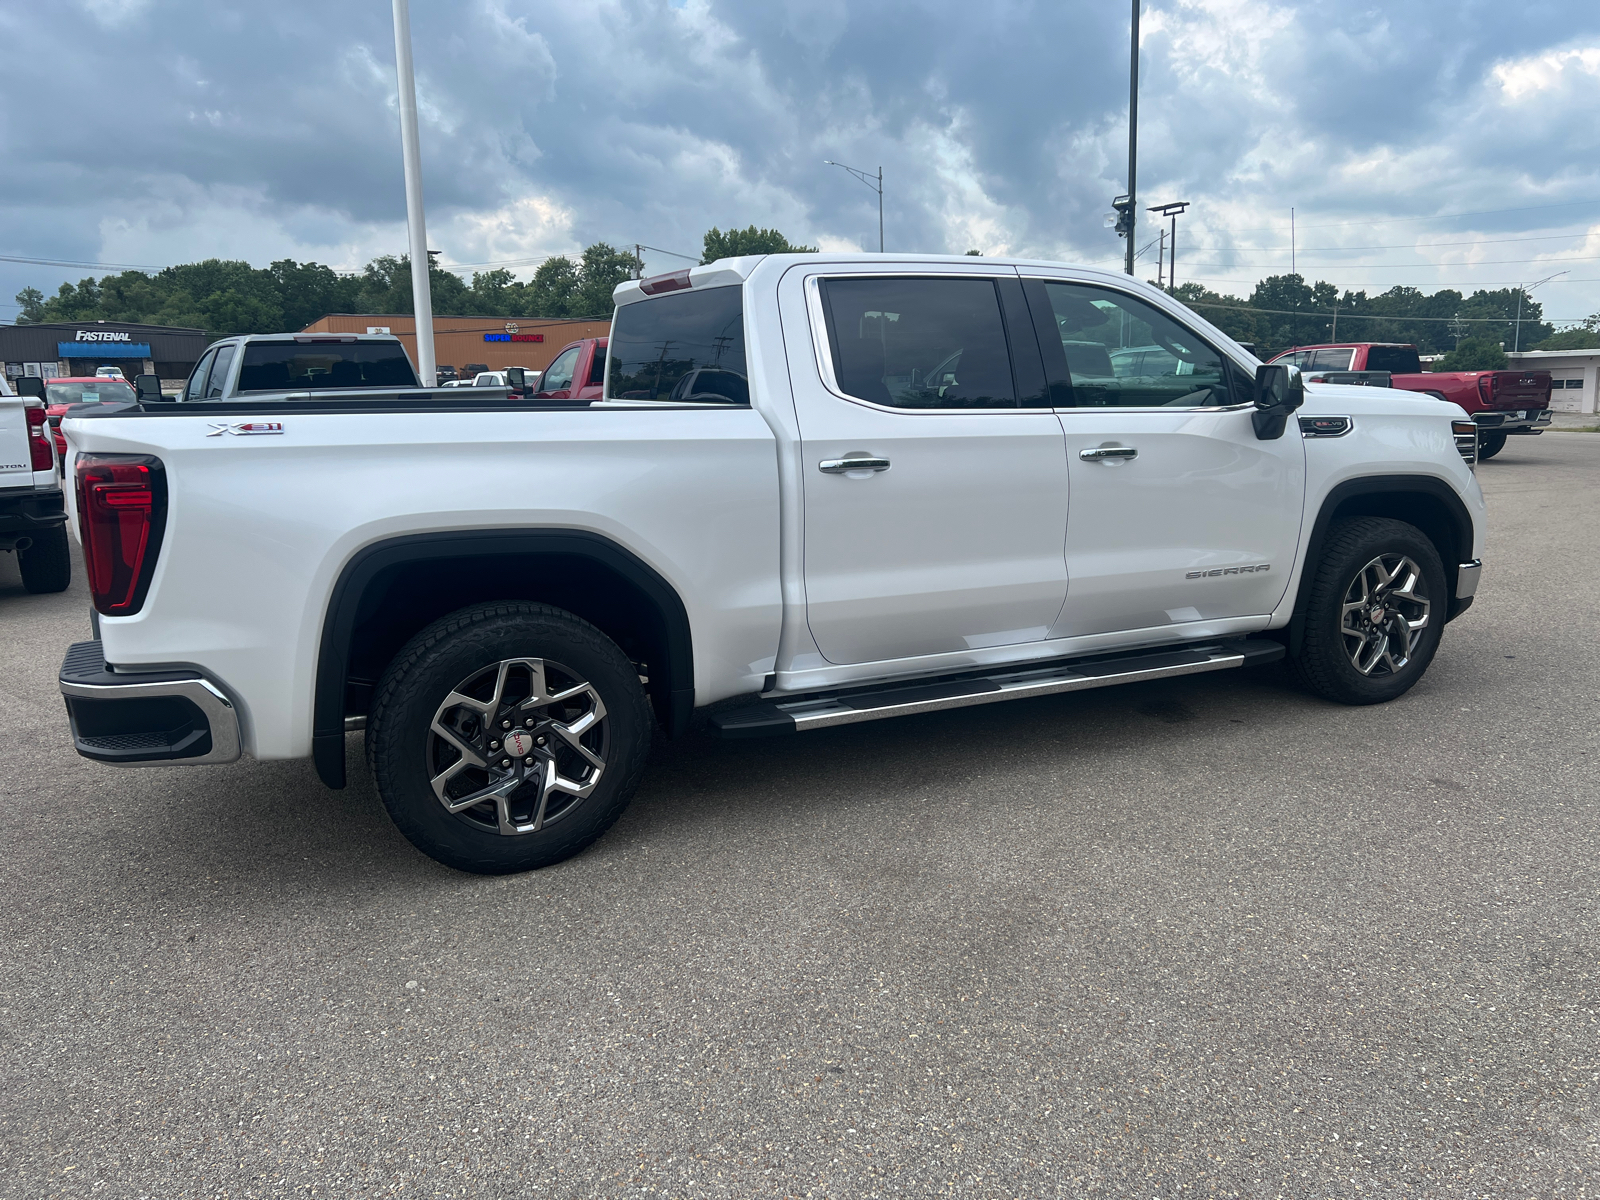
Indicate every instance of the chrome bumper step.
{"type": "Point", "coordinates": [770, 717]}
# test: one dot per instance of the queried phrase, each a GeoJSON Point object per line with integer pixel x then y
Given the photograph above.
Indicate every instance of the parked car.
{"type": "Point", "coordinates": [110, 373]}
{"type": "Point", "coordinates": [62, 393]}
{"type": "Point", "coordinates": [1500, 402]}
{"type": "Point", "coordinates": [33, 518]}
{"type": "Point", "coordinates": [263, 368]}
{"type": "Point", "coordinates": [443, 374]}
{"type": "Point", "coordinates": [507, 597]}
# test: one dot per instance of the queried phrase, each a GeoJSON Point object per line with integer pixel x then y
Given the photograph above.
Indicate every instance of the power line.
{"type": "Point", "coordinates": [1544, 237]}
{"type": "Point", "coordinates": [1346, 315]}
{"type": "Point", "coordinates": [1482, 212]}
{"type": "Point", "coordinates": [68, 262]}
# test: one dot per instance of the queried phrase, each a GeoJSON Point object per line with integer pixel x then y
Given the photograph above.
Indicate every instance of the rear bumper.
{"type": "Point", "coordinates": [146, 719]}
{"type": "Point", "coordinates": [31, 512]}
{"type": "Point", "coordinates": [1516, 420]}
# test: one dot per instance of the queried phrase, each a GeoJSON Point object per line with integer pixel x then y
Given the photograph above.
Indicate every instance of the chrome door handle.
{"type": "Point", "coordinates": [838, 466]}
{"type": "Point", "coordinates": [1104, 452]}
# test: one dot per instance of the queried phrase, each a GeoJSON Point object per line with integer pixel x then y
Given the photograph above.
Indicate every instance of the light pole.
{"type": "Point", "coordinates": [875, 182]}
{"type": "Point", "coordinates": [421, 295]}
{"type": "Point", "coordinates": [1516, 342]}
{"type": "Point", "coordinates": [1133, 138]}
{"type": "Point", "coordinates": [1172, 210]}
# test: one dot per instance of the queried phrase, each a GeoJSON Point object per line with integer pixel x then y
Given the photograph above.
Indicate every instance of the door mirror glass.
{"type": "Point", "coordinates": [31, 385]}
{"type": "Point", "coordinates": [147, 387]}
{"type": "Point", "coordinates": [1279, 391]}
{"type": "Point", "coordinates": [517, 381]}
{"type": "Point", "coordinates": [1279, 386]}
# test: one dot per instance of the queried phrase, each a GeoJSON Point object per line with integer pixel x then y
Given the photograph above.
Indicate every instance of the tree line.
{"type": "Point", "coordinates": [1285, 311]}
{"type": "Point", "coordinates": [227, 297]}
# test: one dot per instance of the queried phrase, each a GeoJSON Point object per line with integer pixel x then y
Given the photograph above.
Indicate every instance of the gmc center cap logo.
{"type": "Point", "coordinates": [519, 744]}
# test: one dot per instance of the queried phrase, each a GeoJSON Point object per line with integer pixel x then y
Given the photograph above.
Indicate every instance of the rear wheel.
{"type": "Point", "coordinates": [507, 737]}
{"type": "Point", "coordinates": [1490, 444]}
{"type": "Point", "coordinates": [1375, 612]}
{"type": "Point", "coordinates": [46, 565]}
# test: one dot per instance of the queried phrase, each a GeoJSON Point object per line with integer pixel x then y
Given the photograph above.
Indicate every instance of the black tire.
{"type": "Point", "coordinates": [1344, 575]}
{"type": "Point", "coordinates": [407, 753]}
{"type": "Point", "coordinates": [1490, 444]}
{"type": "Point", "coordinates": [46, 565]}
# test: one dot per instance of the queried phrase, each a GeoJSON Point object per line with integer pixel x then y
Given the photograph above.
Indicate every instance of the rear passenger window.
{"type": "Point", "coordinates": [919, 343]}
{"type": "Point", "coordinates": [685, 347]}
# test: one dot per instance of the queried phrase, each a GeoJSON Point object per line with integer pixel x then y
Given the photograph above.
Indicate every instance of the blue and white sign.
{"type": "Point", "coordinates": [102, 349]}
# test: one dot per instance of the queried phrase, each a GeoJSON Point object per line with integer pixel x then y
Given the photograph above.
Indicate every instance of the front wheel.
{"type": "Point", "coordinates": [1490, 444]}
{"type": "Point", "coordinates": [1375, 612]}
{"type": "Point", "coordinates": [46, 565]}
{"type": "Point", "coordinates": [507, 736]}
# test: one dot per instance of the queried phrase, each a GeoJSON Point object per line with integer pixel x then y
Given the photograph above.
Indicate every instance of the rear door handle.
{"type": "Point", "coordinates": [1104, 452]}
{"type": "Point", "coordinates": [838, 466]}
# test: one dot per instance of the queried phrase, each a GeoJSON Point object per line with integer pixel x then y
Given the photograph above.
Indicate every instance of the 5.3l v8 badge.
{"type": "Point", "coordinates": [244, 428]}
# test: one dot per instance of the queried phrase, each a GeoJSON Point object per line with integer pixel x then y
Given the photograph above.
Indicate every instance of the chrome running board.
{"type": "Point", "coordinates": [769, 717]}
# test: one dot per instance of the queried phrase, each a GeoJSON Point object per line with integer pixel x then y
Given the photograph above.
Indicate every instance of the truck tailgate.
{"type": "Point", "coordinates": [1517, 389]}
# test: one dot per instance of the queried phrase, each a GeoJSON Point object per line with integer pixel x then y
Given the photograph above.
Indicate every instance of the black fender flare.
{"type": "Point", "coordinates": [1430, 486]}
{"type": "Point", "coordinates": [338, 626]}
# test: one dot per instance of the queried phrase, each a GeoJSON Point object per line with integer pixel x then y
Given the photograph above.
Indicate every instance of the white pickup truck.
{"type": "Point", "coordinates": [33, 519]}
{"type": "Point", "coordinates": [819, 489]}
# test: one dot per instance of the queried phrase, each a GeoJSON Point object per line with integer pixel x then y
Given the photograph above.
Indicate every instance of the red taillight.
{"type": "Point", "coordinates": [1487, 386]}
{"type": "Point", "coordinates": [122, 511]}
{"type": "Point", "coordinates": [44, 458]}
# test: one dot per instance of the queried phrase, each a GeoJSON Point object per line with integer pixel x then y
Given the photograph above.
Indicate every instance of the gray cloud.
{"type": "Point", "coordinates": [168, 130]}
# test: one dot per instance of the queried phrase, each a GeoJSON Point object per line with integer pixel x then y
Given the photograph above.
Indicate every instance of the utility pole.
{"type": "Point", "coordinates": [1516, 343]}
{"type": "Point", "coordinates": [1293, 270]}
{"type": "Point", "coordinates": [1133, 137]}
{"type": "Point", "coordinates": [1333, 335]}
{"type": "Point", "coordinates": [416, 223]}
{"type": "Point", "coordinates": [1161, 258]}
{"type": "Point", "coordinates": [1171, 210]}
{"type": "Point", "coordinates": [873, 182]}
{"type": "Point", "coordinates": [1457, 329]}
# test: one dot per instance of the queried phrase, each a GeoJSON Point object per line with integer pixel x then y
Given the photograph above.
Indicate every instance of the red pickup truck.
{"type": "Point", "coordinates": [577, 373]}
{"type": "Point", "coordinates": [1500, 402]}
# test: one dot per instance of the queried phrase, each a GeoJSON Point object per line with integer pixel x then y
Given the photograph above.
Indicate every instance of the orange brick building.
{"type": "Point", "coordinates": [495, 342]}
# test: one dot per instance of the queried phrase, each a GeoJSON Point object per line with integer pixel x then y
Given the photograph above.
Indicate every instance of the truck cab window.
{"type": "Point", "coordinates": [1332, 360]}
{"type": "Point", "coordinates": [1399, 360]}
{"type": "Point", "coordinates": [919, 343]}
{"type": "Point", "coordinates": [219, 372]}
{"type": "Point", "coordinates": [196, 387]}
{"type": "Point", "coordinates": [1121, 352]}
{"type": "Point", "coordinates": [684, 347]}
{"type": "Point", "coordinates": [558, 375]}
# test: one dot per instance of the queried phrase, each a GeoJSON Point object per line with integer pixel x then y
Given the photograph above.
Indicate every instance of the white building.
{"type": "Point", "coordinates": [1573, 375]}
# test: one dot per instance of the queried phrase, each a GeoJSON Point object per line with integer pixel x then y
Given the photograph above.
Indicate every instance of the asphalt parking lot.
{"type": "Point", "coordinates": [1204, 937]}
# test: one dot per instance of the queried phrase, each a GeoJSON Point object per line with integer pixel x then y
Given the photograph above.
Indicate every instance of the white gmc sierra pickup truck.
{"type": "Point", "coordinates": [819, 489]}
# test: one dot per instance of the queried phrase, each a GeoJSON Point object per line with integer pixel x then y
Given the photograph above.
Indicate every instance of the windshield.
{"type": "Point", "coordinates": [686, 347]}
{"type": "Point", "coordinates": [101, 391]}
{"type": "Point", "coordinates": [302, 366]}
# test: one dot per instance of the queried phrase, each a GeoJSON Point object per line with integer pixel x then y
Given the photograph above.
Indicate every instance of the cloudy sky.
{"type": "Point", "coordinates": [1422, 142]}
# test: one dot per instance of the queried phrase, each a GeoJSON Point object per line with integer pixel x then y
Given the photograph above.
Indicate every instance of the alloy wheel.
{"type": "Point", "coordinates": [1386, 610]}
{"type": "Point", "coordinates": [518, 745]}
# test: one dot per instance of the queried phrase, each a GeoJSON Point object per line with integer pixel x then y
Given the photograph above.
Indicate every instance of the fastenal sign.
{"type": "Point", "coordinates": [102, 335]}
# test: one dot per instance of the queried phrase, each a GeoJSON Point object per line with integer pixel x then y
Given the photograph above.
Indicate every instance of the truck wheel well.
{"type": "Point", "coordinates": [1429, 503]}
{"type": "Point", "coordinates": [389, 592]}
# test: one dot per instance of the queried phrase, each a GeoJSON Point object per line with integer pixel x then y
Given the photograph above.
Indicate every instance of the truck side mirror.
{"type": "Point", "coordinates": [1279, 391]}
{"type": "Point", "coordinates": [147, 387]}
{"type": "Point", "coordinates": [517, 380]}
{"type": "Point", "coordinates": [31, 385]}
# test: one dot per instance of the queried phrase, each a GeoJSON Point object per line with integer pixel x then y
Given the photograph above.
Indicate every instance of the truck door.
{"type": "Point", "coordinates": [1180, 514]}
{"type": "Point", "coordinates": [948, 534]}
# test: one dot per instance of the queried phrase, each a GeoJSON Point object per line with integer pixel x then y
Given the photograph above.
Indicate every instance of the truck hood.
{"type": "Point", "coordinates": [1344, 400]}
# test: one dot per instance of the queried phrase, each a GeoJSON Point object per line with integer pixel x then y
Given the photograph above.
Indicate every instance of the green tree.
{"type": "Point", "coordinates": [1579, 337]}
{"type": "Point", "coordinates": [32, 301]}
{"type": "Point", "coordinates": [1475, 354]}
{"type": "Point", "coordinates": [553, 290]}
{"type": "Point", "coordinates": [602, 268]}
{"type": "Point", "coordinates": [736, 243]}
